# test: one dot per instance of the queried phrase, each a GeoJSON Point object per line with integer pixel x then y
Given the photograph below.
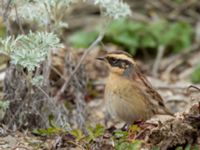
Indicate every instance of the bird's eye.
{"type": "Point", "coordinates": [112, 61]}
{"type": "Point", "coordinates": [123, 64]}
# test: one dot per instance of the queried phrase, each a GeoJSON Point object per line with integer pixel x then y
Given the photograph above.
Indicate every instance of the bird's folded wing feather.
{"type": "Point", "coordinates": [153, 96]}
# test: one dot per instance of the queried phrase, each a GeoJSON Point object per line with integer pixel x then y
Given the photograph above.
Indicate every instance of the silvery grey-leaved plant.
{"type": "Point", "coordinates": [114, 8]}
{"type": "Point", "coordinates": [45, 12]}
{"type": "Point", "coordinates": [42, 12]}
{"type": "Point", "coordinates": [29, 50]}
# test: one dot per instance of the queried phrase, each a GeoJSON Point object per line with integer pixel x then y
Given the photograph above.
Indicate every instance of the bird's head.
{"type": "Point", "coordinates": [119, 62]}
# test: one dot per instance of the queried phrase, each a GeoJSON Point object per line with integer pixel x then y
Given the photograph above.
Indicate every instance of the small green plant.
{"type": "Point", "coordinates": [95, 132]}
{"type": "Point", "coordinates": [138, 35]}
{"type": "Point", "coordinates": [121, 138]}
{"type": "Point", "coordinates": [120, 134]}
{"type": "Point", "coordinates": [195, 77]}
{"type": "Point", "coordinates": [135, 145]}
{"type": "Point", "coordinates": [54, 129]}
{"type": "Point", "coordinates": [155, 148]}
{"type": "Point", "coordinates": [124, 140]}
{"type": "Point", "coordinates": [49, 131]}
{"type": "Point", "coordinates": [78, 134]}
{"type": "Point", "coordinates": [92, 133]}
{"type": "Point", "coordinates": [83, 39]}
{"type": "Point", "coordinates": [4, 105]}
{"type": "Point", "coordinates": [179, 1]}
{"type": "Point", "coordinates": [188, 147]}
{"type": "Point", "coordinates": [2, 28]}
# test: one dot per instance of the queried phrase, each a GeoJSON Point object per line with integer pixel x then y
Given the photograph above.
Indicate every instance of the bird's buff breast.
{"type": "Point", "coordinates": [119, 108]}
{"type": "Point", "coordinates": [129, 110]}
{"type": "Point", "coordinates": [109, 100]}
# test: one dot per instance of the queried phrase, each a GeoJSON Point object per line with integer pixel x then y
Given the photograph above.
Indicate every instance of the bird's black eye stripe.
{"type": "Point", "coordinates": [121, 63]}
{"type": "Point", "coordinates": [113, 61]}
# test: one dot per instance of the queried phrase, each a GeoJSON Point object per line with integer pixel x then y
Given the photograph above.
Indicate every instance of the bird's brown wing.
{"type": "Point", "coordinates": [153, 96]}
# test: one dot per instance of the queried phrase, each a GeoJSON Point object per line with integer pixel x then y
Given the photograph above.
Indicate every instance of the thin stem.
{"type": "Point", "coordinates": [18, 20]}
{"type": "Point", "coordinates": [99, 38]}
{"type": "Point", "coordinates": [161, 51]}
{"type": "Point", "coordinates": [5, 14]}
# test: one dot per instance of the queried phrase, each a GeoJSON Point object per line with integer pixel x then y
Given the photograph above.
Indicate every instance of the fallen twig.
{"type": "Point", "coordinates": [193, 87]}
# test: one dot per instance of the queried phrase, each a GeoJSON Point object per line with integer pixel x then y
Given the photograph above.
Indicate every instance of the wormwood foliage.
{"type": "Point", "coordinates": [114, 8]}
{"type": "Point", "coordinates": [42, 12]}
{"type": "Point", "coordinates": [37, 80]}
{"type": "Point", "coordinates": [29, 50]}
{"type": "Point", "coordinates": [4, 105]}
{"type": "Point", "coordinates": [51, 12]}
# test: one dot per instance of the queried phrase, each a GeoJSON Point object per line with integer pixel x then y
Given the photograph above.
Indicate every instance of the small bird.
{"type": "Point", "coordinates": [129, 96]}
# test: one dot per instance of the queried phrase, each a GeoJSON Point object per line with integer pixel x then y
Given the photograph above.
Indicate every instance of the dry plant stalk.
{"type": "Point", "coordinates": [30, 106]}
{"type": "Point", "coordinates": [76, 87]}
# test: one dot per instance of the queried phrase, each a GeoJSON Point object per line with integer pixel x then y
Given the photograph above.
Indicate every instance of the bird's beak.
{"type": "Point", "coordinates": [102, 58]}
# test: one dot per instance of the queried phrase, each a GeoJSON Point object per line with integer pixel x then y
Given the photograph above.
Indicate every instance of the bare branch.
{"type": "Point", "coordinates": [99, 38]}
{"type": "Point", "coordinates": [5, 14]}
{"type": "Point", "coordinates": [18, 20]}
{"type": "Point", "coordinates": [161, 51]}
